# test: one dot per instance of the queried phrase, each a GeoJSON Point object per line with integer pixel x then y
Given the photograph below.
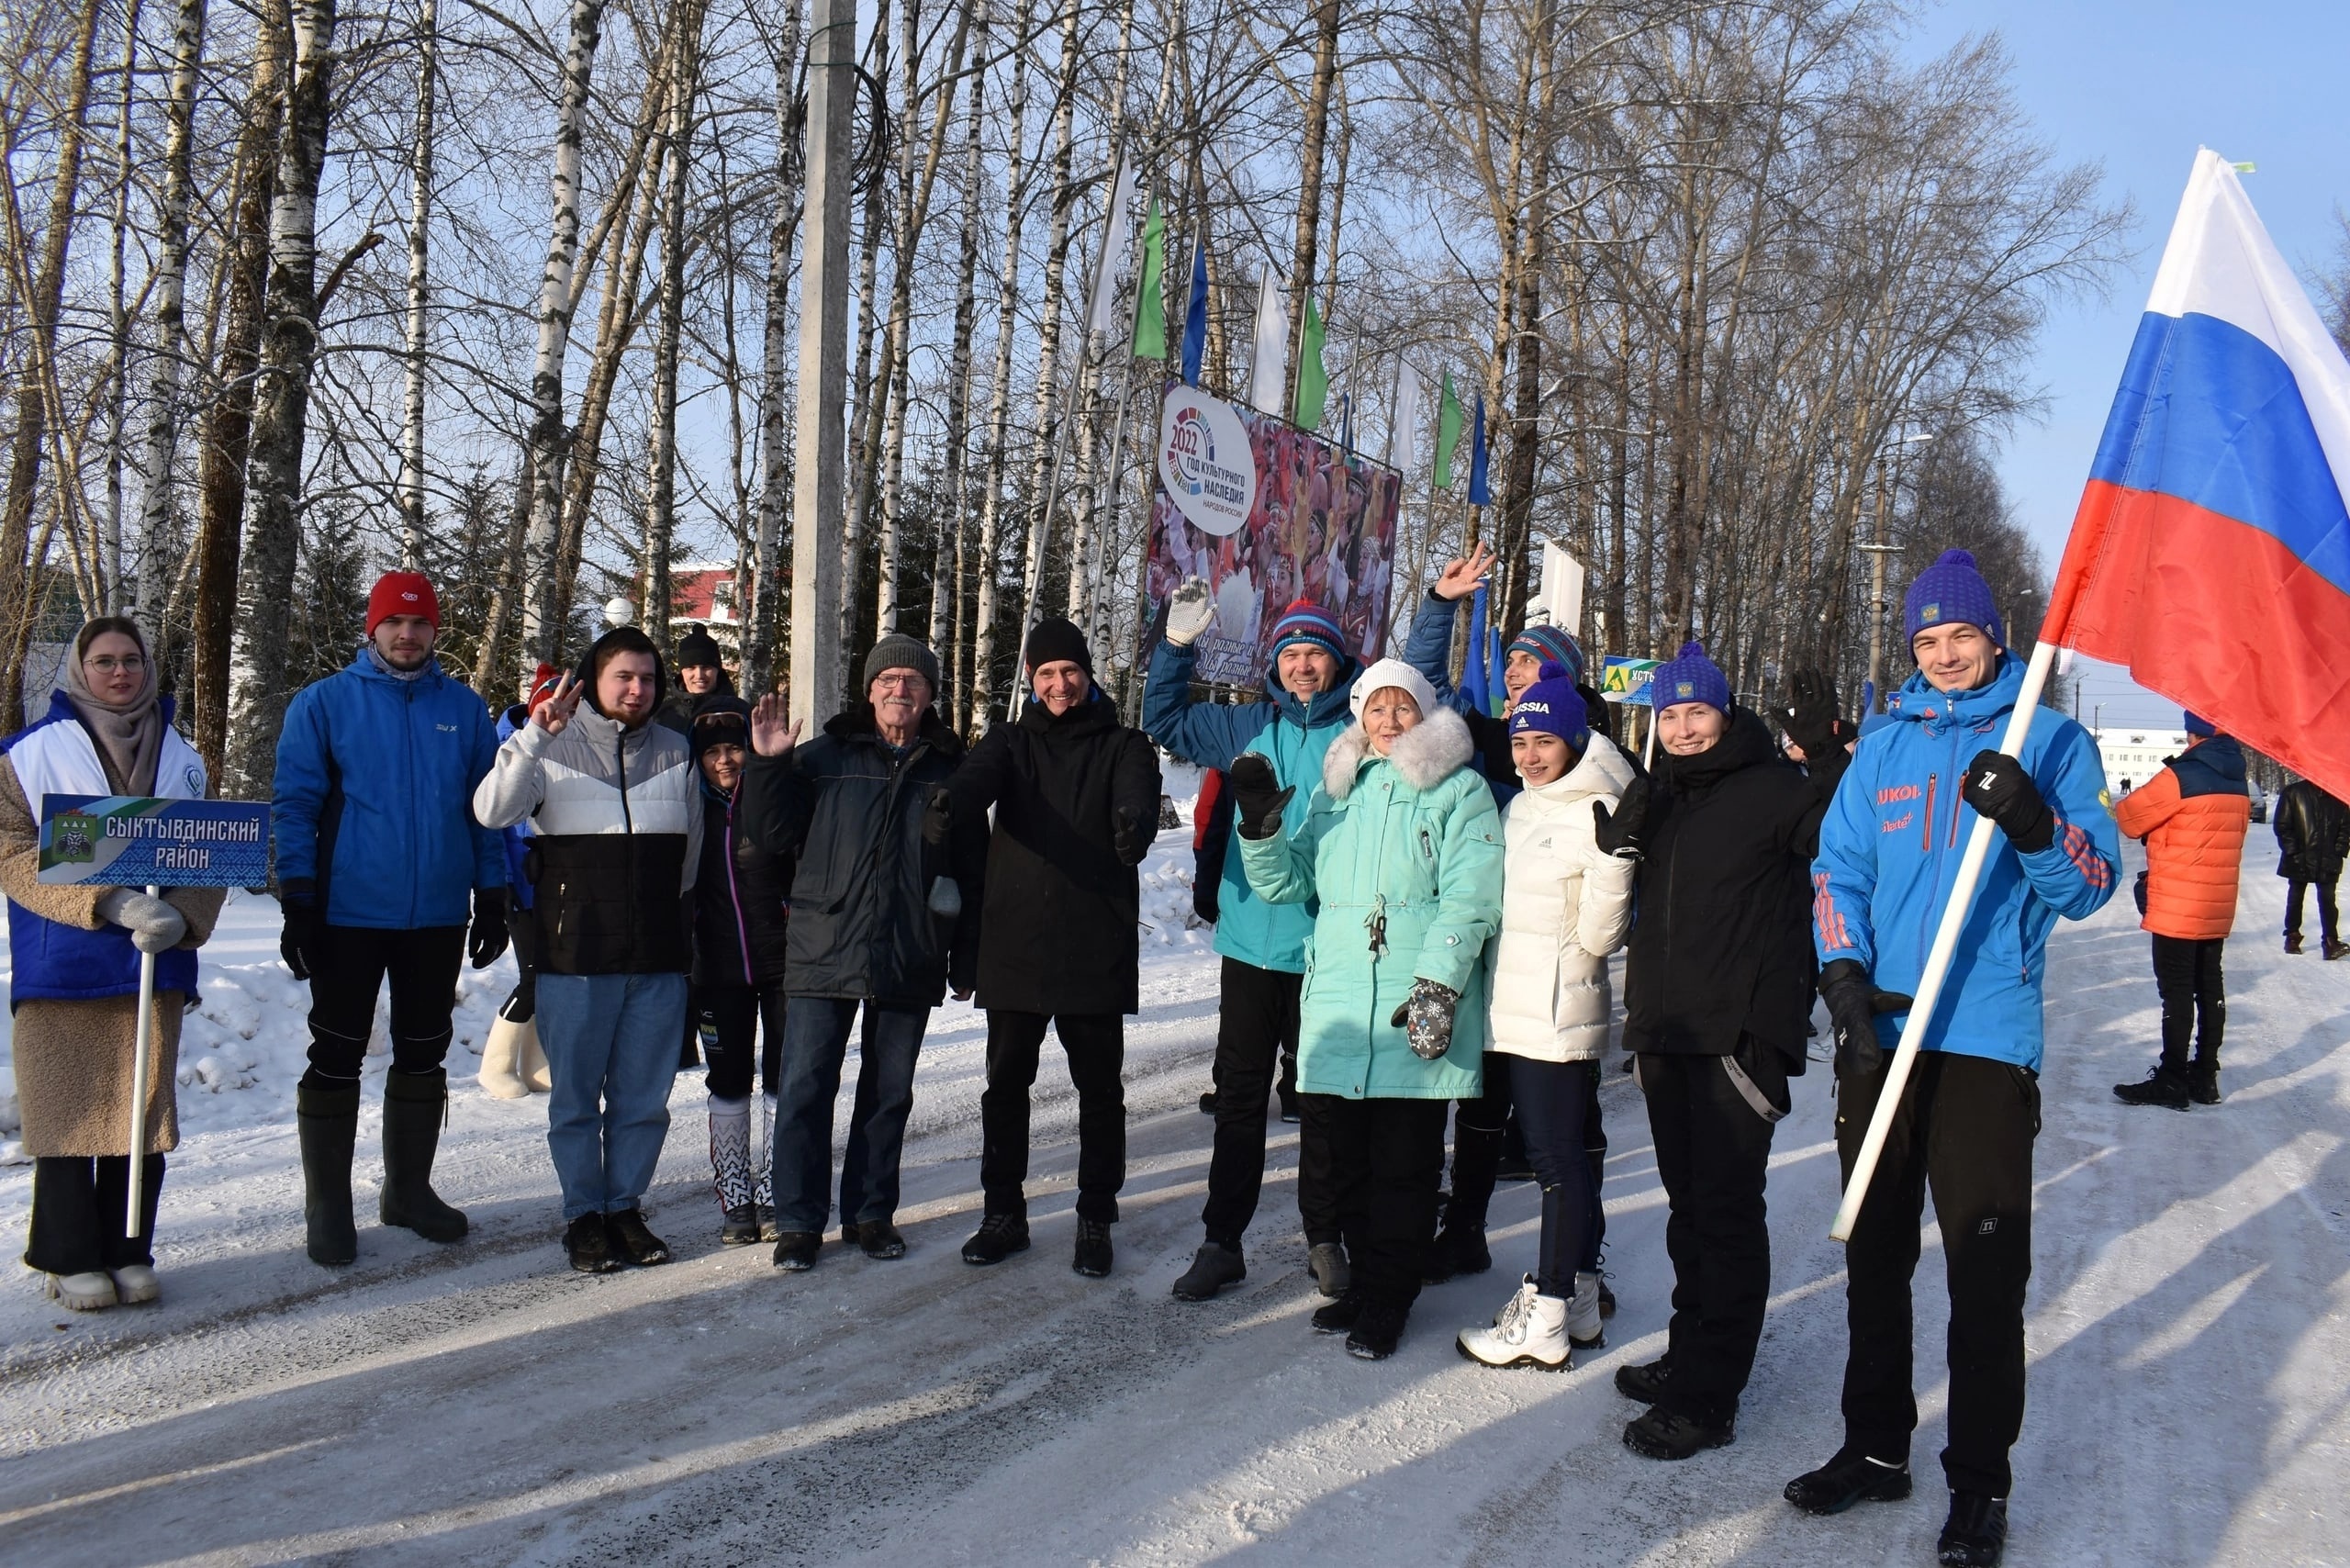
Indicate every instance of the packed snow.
{"type": "Point", "coordinates": [2190, 1376]}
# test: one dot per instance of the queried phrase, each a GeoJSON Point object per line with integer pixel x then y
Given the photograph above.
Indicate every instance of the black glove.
{"type": "Point", "coordinates": [1129, 838]}
{"type": "Point", "coordinates": [1810, 718]}
{"type": "Point", "coordinates": [937, 815]}
{"type": "Point", "coordinates": [1257, 795]}
{"type": "Point", "coordinates": [1853, 1004]}
{"type": "Point", "coordinates": [490, 935]}
{"type": "Point", "coordinates": [299, 943]}
{"type": "Point", "coordinates": [1997, 786]}
{"type": "Point", "coordinates": [1426, 1018]}
{"type": "Point", "coordinates": [1619, 832]}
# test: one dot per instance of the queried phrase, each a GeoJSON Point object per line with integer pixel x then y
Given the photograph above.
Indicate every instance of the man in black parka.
{"type": "Point", "coordinates": [1076, 799]}
{"type": "Point", "coordinates": [1718, 989]}
{"type": "Point", "coordinates": [877, 921]}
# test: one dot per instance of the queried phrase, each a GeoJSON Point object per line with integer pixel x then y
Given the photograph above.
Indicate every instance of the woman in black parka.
{"type": "Point", "coordinates": [1717, 992]}
{"type": "Point", "coordinates": [742, 908]}
{"type": "Point", "coordinates": [1076, 799]}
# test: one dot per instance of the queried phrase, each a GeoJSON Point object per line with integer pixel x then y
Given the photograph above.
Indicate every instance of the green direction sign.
{"type": "Point", "coordinates": [1626, 680]}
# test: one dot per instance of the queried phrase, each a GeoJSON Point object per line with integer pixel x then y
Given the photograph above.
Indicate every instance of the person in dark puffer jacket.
{"type": "Point", "coordinates": [742, 910]}
{"type": "Point", "coordinates": [1076, 799]}
{"type": "Point", "coordinates": [618, 809]}
{"type": "Point", "coordinates": [2313, 840]}
{"type": "Point", "coordinates": [877, 923]}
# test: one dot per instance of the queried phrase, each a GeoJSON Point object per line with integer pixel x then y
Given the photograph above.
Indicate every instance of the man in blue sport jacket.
{"type": "Point", "coordinates": [380, 865]}
{"type": "Point", "coordinates": [1263, 945]}
{"type": "Point", "coordinates": [1888, 854]}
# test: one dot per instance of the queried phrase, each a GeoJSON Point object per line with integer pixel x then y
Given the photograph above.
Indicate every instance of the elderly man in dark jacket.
{"type": "Point", "coordinates": [1076, 799]}
{"type": "Point", "coordinates": [877, 921]}
{"type": "Point", "coordinates": [2312, 841]}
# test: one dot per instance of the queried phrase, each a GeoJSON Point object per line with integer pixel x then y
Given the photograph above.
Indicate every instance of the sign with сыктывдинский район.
{"type": "Point", "coordinates": [133, 841]}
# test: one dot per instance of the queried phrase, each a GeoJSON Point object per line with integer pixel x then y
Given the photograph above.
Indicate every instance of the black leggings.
{"type": "Point", "coordinates": [351, 965]}
{"type": "Point", "coordinates": [78, 1210]}
{"type": "Point", "coordinates": [729, 1018]}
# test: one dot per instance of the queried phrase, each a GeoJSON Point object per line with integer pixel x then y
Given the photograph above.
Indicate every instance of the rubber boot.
{"type": "Point", "coordinates": [328, 1122]}
{"type": "Point", "coordinates": [414, 1106]}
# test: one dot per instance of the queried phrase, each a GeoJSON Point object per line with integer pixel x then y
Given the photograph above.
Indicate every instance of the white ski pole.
{"type": "Point", "coordinates": [141, 1055]}
{"type": "Point", "coordinates": [1937, 956]}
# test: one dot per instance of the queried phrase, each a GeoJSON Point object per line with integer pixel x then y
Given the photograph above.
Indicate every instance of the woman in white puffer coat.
{"type": "Point", "coordinates": [1566, 905]}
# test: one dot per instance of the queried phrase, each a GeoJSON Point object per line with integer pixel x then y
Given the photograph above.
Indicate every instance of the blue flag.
{"type": "Point", "coordinates": [1474, 684]}
{"type": "Point", "coordinates": [1195, 320]}
{"type": "Point", "coordinates": [1481, 493]}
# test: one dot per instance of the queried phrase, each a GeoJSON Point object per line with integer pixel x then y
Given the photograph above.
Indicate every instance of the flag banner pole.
{"type": "Point", "coordinates": [1937, 956]}
{"type": "Point", "coordinates": [141, 1061]}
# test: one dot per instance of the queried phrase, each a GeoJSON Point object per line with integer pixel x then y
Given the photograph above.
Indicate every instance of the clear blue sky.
{"type": "Point", "coordinates": [2138, 85]}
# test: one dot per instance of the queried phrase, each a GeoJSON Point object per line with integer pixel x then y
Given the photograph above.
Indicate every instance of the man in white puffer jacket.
{"type": "Point", "coordinates": [1566, 905]}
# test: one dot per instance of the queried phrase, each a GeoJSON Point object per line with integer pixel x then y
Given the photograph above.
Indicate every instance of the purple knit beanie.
{"type": "Point", "coordinates": [1553, 706]}
{"type": "Point", "coordinates": [1690, 677]}
{"type": "Point", "coordinates": [1950, 590]}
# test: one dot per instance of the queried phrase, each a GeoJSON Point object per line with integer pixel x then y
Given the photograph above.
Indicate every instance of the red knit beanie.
{"type": "Point", "coordinates": [402, 593]}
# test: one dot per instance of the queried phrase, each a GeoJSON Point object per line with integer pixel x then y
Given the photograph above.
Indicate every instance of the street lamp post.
{"type": "Point", "coordinates": [1878, 551]}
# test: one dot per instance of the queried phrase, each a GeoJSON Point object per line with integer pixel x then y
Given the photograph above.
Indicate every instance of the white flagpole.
{"type": "Point", "coordinates": [142, 1056]}
{"type": "Point", "coordinates": [1937, 956]}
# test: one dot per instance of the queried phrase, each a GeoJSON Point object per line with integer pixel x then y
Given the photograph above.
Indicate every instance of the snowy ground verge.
{"type": "Point", "coordinates": [477, 1404]}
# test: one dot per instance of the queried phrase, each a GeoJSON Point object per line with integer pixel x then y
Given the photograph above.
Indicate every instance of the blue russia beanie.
{"type": "Point", "coordinates": [1553, 706]}
{"type": "Point", "coordinates": [2200, 728]}
{"type": "Point", "coordinates": [1690, 677]}
{"type": "Point", "coordinates": [1551, 645]}
{"type": "Point", "coordinates": [1306, 621]}
{"type": "Point", "coordinates": [1950, 590]}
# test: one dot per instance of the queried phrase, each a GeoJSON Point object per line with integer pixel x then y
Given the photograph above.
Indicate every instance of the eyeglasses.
{"type": "Point", "coordinates": [107, 663]}
{"type": "Point", "coordinates": [897, 682]}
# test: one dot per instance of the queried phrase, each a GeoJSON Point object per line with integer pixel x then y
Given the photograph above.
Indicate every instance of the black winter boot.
{"type": "Point", "coordinates": [1460, 1246]}
{"type": "Point", "coordinates": [1851, 1477]}
{"type": "Point", "coordinates": [1212, 1267]}
{"type": "Point", "coordinates": [2203, 1084]}
{"type": "Point", "coordinates": [1975, 1534]}
{"type": "Point", "coordinates": [2162, 1087]}
{"type": "Point", "coordinates": [414, 1104]}
{"type": "Point", "coordinates": [1662, 1434]}
{"type": "Point", "coordinates": [327, 1122]}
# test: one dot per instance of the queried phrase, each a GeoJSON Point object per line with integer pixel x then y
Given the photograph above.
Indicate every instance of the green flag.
{"type": "Point", "coordinates": [1150, 311]}
{"type": "Point", "coordinates": [1447, 433]}
{"type": "Point", "coordinates": [1313, 381]}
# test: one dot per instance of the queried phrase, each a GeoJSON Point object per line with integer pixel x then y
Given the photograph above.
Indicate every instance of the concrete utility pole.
{"type": "Point", "coordinates": [817, 456]}
{"type": "Point", "coordinates": [1877, 553]}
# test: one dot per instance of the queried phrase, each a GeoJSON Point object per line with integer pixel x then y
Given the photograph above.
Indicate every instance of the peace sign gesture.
{"type": "Point", "coordinates": [1459, 579]}
{"type": "Point", "coordinates": [555, 711]}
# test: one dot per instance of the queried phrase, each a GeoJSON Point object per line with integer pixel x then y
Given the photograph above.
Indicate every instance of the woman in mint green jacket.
{"type": "Point", "coordinates": [1402, 847]}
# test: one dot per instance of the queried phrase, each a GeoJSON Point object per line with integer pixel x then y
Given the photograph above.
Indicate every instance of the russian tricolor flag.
{"type": "Point", "coordinates": [2211, 551]}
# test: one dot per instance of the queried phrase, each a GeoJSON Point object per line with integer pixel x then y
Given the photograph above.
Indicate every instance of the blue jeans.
{"type": "Point", "coordinates": [815, 1040]}
{"type": "Point", "coordinates": [611, 1046]}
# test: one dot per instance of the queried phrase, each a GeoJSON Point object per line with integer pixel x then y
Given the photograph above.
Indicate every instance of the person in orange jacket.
{"type": "Point", "coordinates": [2192, 816]}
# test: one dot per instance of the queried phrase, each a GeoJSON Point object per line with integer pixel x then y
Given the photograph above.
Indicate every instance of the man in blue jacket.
{"type": "Point", "coordinates": [1888, 854]}
{"type": "Point", "coordinates": [380, 864]}
{"type": "Point", "coordinates": [1263, 945]}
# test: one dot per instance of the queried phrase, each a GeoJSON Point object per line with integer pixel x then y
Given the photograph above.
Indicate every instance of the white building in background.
{"type": "Point", "coordinates": [2132, 756]}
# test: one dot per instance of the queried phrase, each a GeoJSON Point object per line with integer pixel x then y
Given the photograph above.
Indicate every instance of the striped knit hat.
{"type": "Point", "coordinates": [1551, 645]}
{"type": "Point", "coordinates": [1306, 621]}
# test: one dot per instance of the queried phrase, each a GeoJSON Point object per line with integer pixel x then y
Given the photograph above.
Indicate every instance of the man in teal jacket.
{"type": "Point", "coordinates": [1263, 945]}
{"type": "Point", "coordinates": [380, 865]}
{"type": "Point", "coordinates": [1889, 852]}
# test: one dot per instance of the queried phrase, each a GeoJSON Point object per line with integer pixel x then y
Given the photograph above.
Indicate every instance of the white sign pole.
{"type": "Point", "coordinates": [1938, 957]}
{"type": "Point", "coordinates": [142, 1055]}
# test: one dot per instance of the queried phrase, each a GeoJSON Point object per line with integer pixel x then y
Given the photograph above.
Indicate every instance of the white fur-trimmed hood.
{"type": "Point", "coordinates": [1426, 755]}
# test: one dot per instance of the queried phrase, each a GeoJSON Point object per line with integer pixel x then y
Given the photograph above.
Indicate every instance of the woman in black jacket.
{"type": "Point", "coordinates": [1076, 799]}
{"type": "Point", "coordinates": [1717, 988]}
{"type": "Point", "coordinates": [742, 905]}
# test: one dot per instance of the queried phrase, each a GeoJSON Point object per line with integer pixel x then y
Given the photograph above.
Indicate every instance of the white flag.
{"type": "Point", "coordinates": [1272, 347]}
{"type": "Point", "coordinates": [1404, 419]}
{"type": "Point", "coordinates": [1114, 250]}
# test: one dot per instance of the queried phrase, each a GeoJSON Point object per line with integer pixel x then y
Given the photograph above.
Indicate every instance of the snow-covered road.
{"type": "Point", "coordinates": [2190, 1382]}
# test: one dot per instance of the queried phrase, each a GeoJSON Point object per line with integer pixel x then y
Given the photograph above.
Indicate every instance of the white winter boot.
{"type": "Point", "coordinates": [134, 1283]}
{"type": "Point", "coordinates": [1583, 1314]}
{"type": "Point", "coordinates": [1530, 1332]}
{"type": "Point", "coordinates": [80, 1293]}
{"type": "Point", "coordinates": [534, 1061]}
{"type": "Point", "coordinates": [501, 1058]}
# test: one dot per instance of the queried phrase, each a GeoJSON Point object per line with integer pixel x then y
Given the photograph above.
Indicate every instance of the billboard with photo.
{"type": "Point", "coordinates": [1267, 513]}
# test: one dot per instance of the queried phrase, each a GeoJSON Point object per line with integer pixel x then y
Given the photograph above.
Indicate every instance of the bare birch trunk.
{"type": "Point", "coordinates": [660, 512]}
{"type": "Point", "coordinates": [171, 313]}
{"type": "Point", "coordinates": [1000, 391]}
{"type": "Point", "coordinates": [775, 414]}
{"type": "Point", "coordinates": [491, 666]}
{"type": "Point", "coordinates": [40, 312]}
{"type": "Point", "coordinates": [947, 568]}
{"type": "Point", "coordinates": [419, 289]}
{"type": "Point", "coordinates": [542, 630]}
{"type": "Point", "coordinates": [281, 412]}
{"type": "Point", "coordinates": [220, 470]}
{"type": "Point", "coordinates": [1309, 188]}
{"type": "Point", "coordinates": [118, 377]}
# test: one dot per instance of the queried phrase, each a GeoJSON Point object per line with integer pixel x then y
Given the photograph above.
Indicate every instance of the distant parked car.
{"type": "Point", "coordinates": [2259, 801]}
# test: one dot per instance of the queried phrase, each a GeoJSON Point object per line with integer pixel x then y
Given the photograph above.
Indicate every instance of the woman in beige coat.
{"type": "Point", "coordinates": [75, 953]}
